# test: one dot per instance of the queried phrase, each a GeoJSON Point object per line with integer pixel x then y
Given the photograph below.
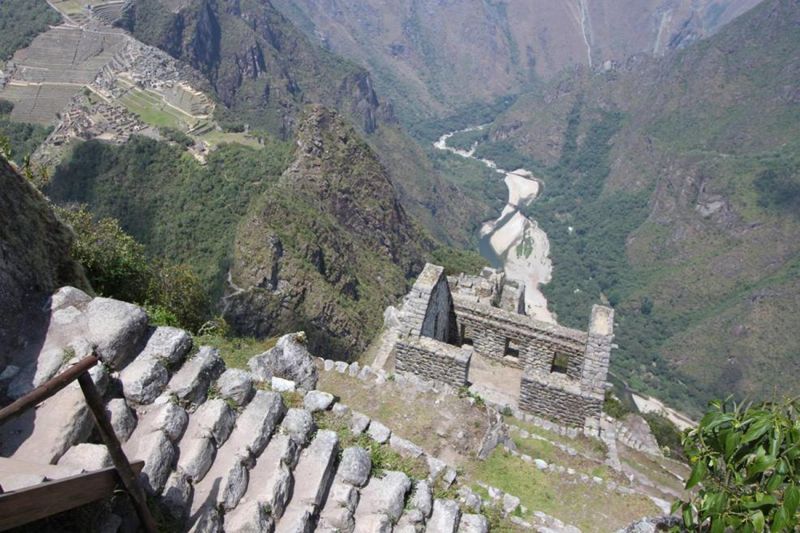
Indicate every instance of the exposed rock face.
{"type": "Point", "coordinates": [358, 244]}
{"type": "Point", "coordinates": [34, 254]}
{"type": "Point", "coordinates": [241, 47]}
{"type": "Point", "coordinates": [289, 359]}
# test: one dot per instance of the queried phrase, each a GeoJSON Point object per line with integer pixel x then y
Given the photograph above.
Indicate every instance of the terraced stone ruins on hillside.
{"type": "Point", "coordinates": [470, 330]}
{"type": "Point", "coordinates": [223, 449]}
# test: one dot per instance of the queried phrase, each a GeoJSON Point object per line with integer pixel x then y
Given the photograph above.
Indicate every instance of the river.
{"type": "Point", "coordinates": [513, 241]}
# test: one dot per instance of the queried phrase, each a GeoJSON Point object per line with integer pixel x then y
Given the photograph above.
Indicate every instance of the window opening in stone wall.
{"type": "Point", "coordinates": [512, 349]}
{"type": "Point", "coordinates": [560, 363]}
{"type": "Point", "coordinates": [463, 336]}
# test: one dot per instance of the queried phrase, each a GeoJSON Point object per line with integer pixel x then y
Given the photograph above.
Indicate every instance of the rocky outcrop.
{"type": "Point", "coordinates": [261, 67]}
{"type": "Point", "coordinates": [328, 248]}
{"type": "Point", "coordinates": [289, 360]}
{"type": "Point", "coordinates": [34, 256]}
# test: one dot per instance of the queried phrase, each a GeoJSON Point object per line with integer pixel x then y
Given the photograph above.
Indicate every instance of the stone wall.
{"type": "Point", "coordinates": [489, 329]}
{"type": "Point", "coordinates": [565, 369]}
{"type": "Point", "coordinates": [439, 319]}
{"type": "Point", "coordinates": [560, 400]}
{"type": "Point", "coordinates": [598, 349]}
{"type": "Point", "coordinates": [433, 360]}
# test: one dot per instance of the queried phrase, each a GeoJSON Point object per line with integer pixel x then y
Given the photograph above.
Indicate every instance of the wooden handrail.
{"type": "Point", "coordinates": [126, 473]}
{"type": "Point", "coordinates": [94, 400]}
{"type": "Point", "coordinates": [47, 389]}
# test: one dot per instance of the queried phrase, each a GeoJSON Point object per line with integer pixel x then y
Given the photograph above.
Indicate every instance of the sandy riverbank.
{"type": "Point", "coordinates": [518, 241]}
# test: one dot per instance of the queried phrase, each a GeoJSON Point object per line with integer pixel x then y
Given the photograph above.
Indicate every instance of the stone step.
{"type": "Point", "coordinates": [16, 474]}
{"type": "Point", "coordinates": [192, 381]}
{"type": "Point", "coordinates": [473, 523]}
{"type": "Point", "coordinates": [42, 435]}
{"type": "Point", "coordinates": [384, 496]}
{"type": "Point", "coordinates": [270, 486]}
{"type": "Point", "coordinates": [227, 480]}
{"type": "Point", "coordinates": [209, 428]}
{"type": "Point", "coordinates": [160, 426]}
{"type": "Point", "coordinates": [313, 476]}
{"type": "Point", "coordinates": [445, 517]}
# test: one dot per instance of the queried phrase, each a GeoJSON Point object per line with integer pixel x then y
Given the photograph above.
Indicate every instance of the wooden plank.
{"type": "Point", "coordinates": [129, 478]}
{"type": "Point", "coordinates": [47, 389]}
{"type": "Point", "coordinates": [52, 497]}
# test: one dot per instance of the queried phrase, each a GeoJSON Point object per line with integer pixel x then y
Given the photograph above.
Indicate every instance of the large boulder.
{"type": "Point", "coordinates": [116, 328]}
{"type": "Point", "coordinates": [289, 359]}
{"type": "Point", "coordinates": [168, 344]}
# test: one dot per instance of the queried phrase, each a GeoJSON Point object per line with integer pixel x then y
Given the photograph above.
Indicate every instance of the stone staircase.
{"type": "Point", "coordinates": [222, 450]}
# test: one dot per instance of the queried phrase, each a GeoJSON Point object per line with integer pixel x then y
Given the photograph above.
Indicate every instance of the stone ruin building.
{"type": "Point", "coordinates": [447, 323]}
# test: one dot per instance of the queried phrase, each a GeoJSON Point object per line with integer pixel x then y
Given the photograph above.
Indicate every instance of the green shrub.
{"type": "Point", "coordinates": [117, 267]}
{"type": "Point", "coordinates": [613, 407]}
{"type": "Point", "coordinates": [746, 464]}
{"type": "Point", "coordinates": [666, 433]}
{"type": "Point", "coordinates": [176, 136]}
{"type": "Point", "coordinates": [114, 262]}
{"type": "Point", "coordinates": [178, 290]}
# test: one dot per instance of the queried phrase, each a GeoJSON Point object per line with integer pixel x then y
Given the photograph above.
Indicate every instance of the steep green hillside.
{"type": "Point", "coordinates": [179, 209]}
{"type": "Point", "coordinates": [264, 71]}
{"type": "Point", "coordinates": [21, 21]}
{"type": "Point", "coordinates": [307, 238]}
{"type": "Point", "coordinates": [330, 243]}
{"type": "Point", "coordinates": [679, 179]}
{"type": "Point", "coordinates": [430, 57]}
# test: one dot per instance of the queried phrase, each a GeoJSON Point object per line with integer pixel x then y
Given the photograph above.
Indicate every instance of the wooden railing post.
{"type": "Point", "coordinates": [126, 473]}
{"type": "Point", "coordinates": [47, 389]}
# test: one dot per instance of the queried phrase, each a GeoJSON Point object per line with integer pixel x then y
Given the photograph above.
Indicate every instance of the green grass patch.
{"type": "Point", "coordinates": [236, 351]}
{"type": "Point", "coordinates": [383, 457]}
{"type": "Point", "coordinates": [590, 507]}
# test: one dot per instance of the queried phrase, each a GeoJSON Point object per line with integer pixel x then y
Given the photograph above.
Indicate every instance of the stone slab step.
{"type": "Point", "coordinates": [191, 382]}
{"type": "Point", "coordinates": [271, 481]}
{"type": "Point", "coordinates": [445, 517]}
{"type": "Point", "coordinates": [383, 496]}
{"type": "Point", "coordinates": [17, 474]}
{"type": "Point", "coordinates": [313, 476]}
{"type": "Point", "coordinates": [44, 434]}
{"type": "Point", "coordinates": [227, 480]}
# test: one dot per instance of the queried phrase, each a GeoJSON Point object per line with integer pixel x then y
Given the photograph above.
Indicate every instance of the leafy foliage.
{"type": "Point", "coordinates": [613, 407]}
{"type": "Point", "coordinates": [779, 187]}
{"type": "Point", "coordinates": [180, 210]}
{"type": "Point", "coordinates": [21, 138]}
{"type": "Point", "coordinates": [746, 462]}
{"type": "Point", "coordinates": [114, 262]}
{"type": "Point", "coordinates": [117, 266]}
{"type": "Point", "coordinates": [21, 21]}
{"type": "Point", "coordinates": [456, 261]}
{"type": "Point", "coordinates": [667, 435]}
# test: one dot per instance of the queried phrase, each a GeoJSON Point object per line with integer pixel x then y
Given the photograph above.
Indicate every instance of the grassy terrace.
{"type": "Point", "coordinates": [449, 427]}
{"type": "Point", "coordinates": [152, 109]}
{"type": "Point", "coordinates": [590, 507]}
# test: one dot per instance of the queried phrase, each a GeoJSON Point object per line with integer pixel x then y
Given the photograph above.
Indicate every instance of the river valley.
{"type": "Point", "coordinates": [513, 241]}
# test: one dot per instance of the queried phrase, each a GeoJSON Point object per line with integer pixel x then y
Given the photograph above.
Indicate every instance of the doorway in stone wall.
{"type": "Point", "coordinates": [495, 381]}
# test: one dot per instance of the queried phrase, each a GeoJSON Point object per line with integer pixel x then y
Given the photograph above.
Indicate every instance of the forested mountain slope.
{"type": "Point", "coordinates": [308, 237]}
{"type": "Point", "coordinates": [680, 181]}
{"type": "Point", "coordinates": [264, 70]}
{"type": "Point", "coordinates": [430, 57]}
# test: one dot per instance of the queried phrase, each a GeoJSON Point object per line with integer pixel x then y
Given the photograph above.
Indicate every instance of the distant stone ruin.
{"type": "Point", "coordinates": [446, 324]}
